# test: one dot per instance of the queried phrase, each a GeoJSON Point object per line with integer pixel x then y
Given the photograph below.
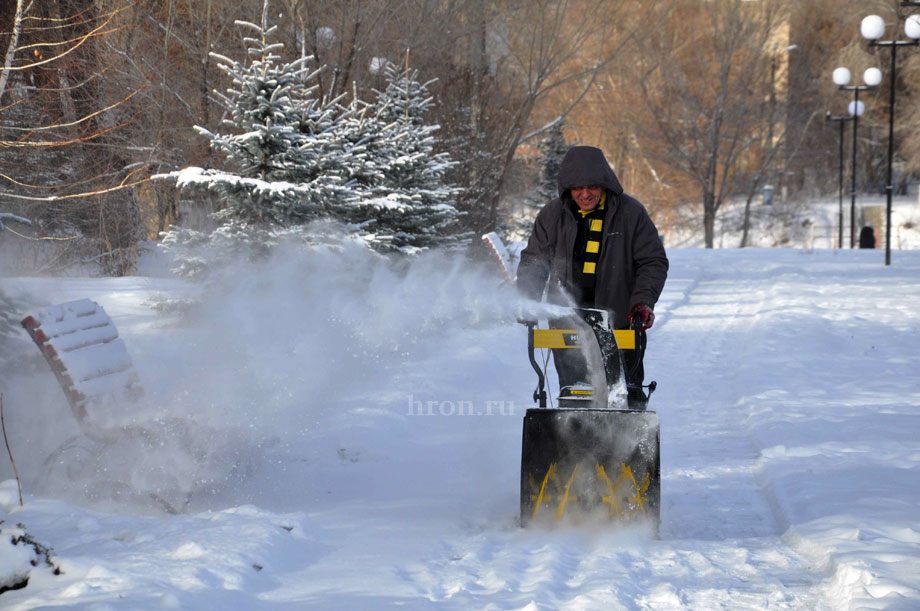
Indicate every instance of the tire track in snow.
{"type": "Point", "coordinates": [696, 400]}
{"type": "Point", "coordinates": [666, 305]}
{"type": "Point", "coordinates": [735, 502]}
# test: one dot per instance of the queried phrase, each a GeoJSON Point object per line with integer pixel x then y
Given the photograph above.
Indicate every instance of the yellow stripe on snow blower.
{"type": "Point", "coordinates": [570, 338]}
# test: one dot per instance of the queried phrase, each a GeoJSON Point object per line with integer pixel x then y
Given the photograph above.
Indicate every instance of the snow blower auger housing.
{"type": "Point", "coordinates": [595, 457]}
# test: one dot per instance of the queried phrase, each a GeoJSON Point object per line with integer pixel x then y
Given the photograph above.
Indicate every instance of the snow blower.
{"type": "Point", "coordinates": [595, 456]}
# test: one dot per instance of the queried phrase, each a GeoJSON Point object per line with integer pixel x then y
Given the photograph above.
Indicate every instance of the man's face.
{"type": "Point", "coordinates": [587, 198]}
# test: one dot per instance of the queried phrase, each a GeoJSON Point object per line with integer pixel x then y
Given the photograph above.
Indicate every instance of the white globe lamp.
{"type": "Point", "coordinates": [872, 77]}
{"type": "Point", "coordinates": [912, 27]}
{"type": "Point", "coordinates": [872, 27]}
{"type": "Point", "coordinates": [841, 77]}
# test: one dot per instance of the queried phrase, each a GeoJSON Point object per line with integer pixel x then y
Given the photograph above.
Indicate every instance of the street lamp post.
{"type": "Point", "coordinates": [873, 28]}
{"type": "Point", "coordinates": [840, 121]}
{"type": "Point", "coordinates": [871, 77]}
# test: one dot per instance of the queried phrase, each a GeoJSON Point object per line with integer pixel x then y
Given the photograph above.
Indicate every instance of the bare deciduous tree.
{"type": "Point", "coordinates": [701, 81]}
{"type": "Point", "coordinates": [59, 160]}
{"type": "Point", "coordinates": [536, 53]}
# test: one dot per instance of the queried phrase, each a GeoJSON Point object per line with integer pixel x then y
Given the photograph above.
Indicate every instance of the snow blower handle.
{"type": "Point", "coordinates": [635, 324]}
{"type": "Point", "coordinates": [539, 395]}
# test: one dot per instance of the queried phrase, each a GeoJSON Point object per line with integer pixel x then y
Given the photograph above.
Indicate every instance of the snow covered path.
{"type": "Point", "coordinates": [798, 422]}
{"type": "Point", "coordinates": [789, 404]}
{"type": "Point", "coordinates": [710, 461]}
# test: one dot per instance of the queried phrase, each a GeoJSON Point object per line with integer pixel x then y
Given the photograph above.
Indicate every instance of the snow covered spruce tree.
{"type": "Point", "coordinates": [403, 186]}
{"type": "Point", "coordinates": [284, 163]}
{"type": "Point", "coordinates": [291, 158]}
{"type": "Point", "coordinates": [552, 149]}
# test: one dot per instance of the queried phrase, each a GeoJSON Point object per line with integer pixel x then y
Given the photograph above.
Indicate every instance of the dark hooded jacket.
{"type": "Point", "coordinates": [632, 265]}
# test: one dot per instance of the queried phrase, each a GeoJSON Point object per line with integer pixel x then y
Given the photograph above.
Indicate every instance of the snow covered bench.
{"type": "Point", "coordinates": [81, 344]}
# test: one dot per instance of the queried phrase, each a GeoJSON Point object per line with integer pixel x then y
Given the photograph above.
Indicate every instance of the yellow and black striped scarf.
{"type": "Point", "coordinates": [587, 249]}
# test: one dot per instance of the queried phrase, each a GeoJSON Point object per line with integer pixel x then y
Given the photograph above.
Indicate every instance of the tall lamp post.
{"type": "Point", "coordinates": [871, 77]}
{"type": "Point", "coordinates": [873, 28]}
{"type": "Point", "coordinates": [840, 121]}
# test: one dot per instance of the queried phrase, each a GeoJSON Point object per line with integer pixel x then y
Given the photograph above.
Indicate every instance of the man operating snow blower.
{"type": "Point", "coordinates": [598, 248]}
{"type": "Point", "coordinates": [594, 456]}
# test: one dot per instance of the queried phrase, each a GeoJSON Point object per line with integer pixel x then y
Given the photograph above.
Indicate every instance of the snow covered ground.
{"type": "Point", "coordinates": [789, 402]}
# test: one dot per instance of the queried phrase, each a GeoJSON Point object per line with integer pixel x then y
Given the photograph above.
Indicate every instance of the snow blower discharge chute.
{"type": "Point", "coordinates": [595, 457]}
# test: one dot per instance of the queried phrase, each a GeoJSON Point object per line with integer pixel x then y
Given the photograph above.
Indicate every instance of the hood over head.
{"type": "Point", "coordinates": [583, 166]}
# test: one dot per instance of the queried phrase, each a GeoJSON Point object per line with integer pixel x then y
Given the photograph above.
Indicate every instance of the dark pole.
{"type": "Point", "coordinates": [853, 169]}
{"type": "Point", "coordinates": [855, 118]}
{"type": "Point", "coordinates": [889, 189]}
{"type": "Point", "coordinates": [841, 121]}
{"type": "Point", "coordinates": [840, 187]}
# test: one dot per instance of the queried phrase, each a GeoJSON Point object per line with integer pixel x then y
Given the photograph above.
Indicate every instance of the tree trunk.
{"type": "Point", "coordinates": [11, 49]}
{"type": "Point", "coordinates": [204, 83]}
{"type": "Point", "coordinates": [746, 227]}
{"type": "Point", "coordinates": [65, 92]}
{"type": "Point", "coordinates": [709, 219]}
